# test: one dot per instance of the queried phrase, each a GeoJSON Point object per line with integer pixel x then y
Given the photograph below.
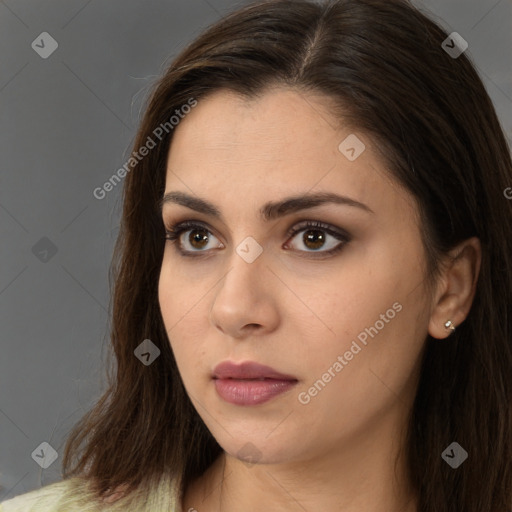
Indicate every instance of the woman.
{"type": "Point", "coordinates": [374, 376]}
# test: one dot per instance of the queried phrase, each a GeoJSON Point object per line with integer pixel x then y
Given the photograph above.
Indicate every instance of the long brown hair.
{"type": "Point", "coordinates": [383, 65]}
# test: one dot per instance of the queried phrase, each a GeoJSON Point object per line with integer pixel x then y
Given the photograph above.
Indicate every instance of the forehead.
{"type": "Point", "coordinates": [227, 122]}
{"type": "Point", "coordinates": [282, 143]}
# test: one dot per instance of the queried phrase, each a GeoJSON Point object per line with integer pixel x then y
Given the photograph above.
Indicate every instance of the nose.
{"type": "Point", "coordinates": [245, 300]}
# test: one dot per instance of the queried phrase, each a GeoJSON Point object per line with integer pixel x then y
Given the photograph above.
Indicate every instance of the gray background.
{"type": "Point", "coordinates": [67, 124]}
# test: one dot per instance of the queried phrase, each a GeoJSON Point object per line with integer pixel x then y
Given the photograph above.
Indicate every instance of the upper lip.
{"type": "Point", "coordinates": [247, 370]}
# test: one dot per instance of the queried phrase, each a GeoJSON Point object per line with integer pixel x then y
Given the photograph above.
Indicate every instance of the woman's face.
{"type": "Point", "coordinates": [348, 325]}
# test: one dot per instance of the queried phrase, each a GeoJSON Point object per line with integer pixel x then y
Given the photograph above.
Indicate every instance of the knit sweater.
{"type": "Point", "coordinates": [74, 495]}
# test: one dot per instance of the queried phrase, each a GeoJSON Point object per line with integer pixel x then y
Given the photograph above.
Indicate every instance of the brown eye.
{"type": "Point", "coordinates": [197, 238]}
{"type": "Point", "coordinates": [318, 238]}
{"type": "Point", "coordinates": [313, 239]}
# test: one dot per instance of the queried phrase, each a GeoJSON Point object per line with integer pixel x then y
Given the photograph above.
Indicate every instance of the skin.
{"type": "Point", "coordinates": [297, 313]}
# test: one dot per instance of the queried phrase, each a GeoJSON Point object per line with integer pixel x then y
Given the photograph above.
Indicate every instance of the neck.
{"type": "Point", "coordinates": [360, 475]}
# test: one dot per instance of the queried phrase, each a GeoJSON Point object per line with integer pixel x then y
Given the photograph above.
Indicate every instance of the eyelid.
{"type": "Point", "coordinates": [186, 225]}
{"type": "Point", "coordinates": [322, 226]}
{"type": "Point", "coordinates": [174, 231]}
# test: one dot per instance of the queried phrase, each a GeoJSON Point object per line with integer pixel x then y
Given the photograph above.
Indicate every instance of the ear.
{"type": "Point", "coordinates": [456, 287]}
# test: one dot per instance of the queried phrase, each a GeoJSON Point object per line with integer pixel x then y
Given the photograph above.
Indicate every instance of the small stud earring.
{"type": "Point", "coordinates": [449, 325]}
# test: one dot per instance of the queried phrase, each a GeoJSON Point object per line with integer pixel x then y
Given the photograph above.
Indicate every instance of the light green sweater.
{"type": "Point", "coordinates": [74, 495]}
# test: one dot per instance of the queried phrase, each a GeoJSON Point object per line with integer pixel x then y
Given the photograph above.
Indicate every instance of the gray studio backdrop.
{"type": "Point", "coordinates": [73, 77]}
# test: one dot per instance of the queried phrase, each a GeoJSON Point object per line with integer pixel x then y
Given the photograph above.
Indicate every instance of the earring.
{"type": "Point", "coordinates": [449, 325]}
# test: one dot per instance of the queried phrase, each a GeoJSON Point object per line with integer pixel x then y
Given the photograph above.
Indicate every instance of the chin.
{"type": "Point", "coordinates": [257, 452]}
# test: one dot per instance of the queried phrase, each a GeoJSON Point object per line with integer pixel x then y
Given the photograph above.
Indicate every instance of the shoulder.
{"type": "Point", "coordinates": [70, 495]}
{"type": "Point", "coordinates": [75, 495]}
{"type": "Point", "coordinates": [44, 499]}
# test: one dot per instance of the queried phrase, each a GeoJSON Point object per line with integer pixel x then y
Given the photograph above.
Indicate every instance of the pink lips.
{"type": "Point", "coordinates": [250, 383]}
{"type": "Point", "coordinates": [247, 370]}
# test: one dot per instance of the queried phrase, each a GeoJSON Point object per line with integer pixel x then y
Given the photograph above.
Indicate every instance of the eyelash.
{"type": "Point", "coordinates": [174, 232]}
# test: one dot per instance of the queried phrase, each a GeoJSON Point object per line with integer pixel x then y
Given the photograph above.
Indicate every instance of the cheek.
{"type": "Point", "coordinates": [369, 309]}
{"type": "Point", "coordinates": [366, 364]}
{"type": "Point", "coordinates": [183, 311]}
{"type": "Point", "coordinates": [178, 296]}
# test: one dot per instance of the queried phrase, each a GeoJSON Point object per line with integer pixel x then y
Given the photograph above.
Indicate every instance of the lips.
{"type": "Point", "coordinates": [250, 383]}
{"type": "Point", "coordinates": [248, 370]}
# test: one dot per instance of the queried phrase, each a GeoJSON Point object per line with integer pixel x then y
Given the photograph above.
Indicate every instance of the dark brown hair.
{"type": "Point", "coordinates": [382, 64]}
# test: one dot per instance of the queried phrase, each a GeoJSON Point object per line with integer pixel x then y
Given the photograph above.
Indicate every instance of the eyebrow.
{"type": "Point", "coordinates": [269, 211]}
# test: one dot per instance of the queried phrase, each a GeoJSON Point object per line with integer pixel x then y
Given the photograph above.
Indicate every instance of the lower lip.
{"type": "Point", "coordinates": [251, 392]}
